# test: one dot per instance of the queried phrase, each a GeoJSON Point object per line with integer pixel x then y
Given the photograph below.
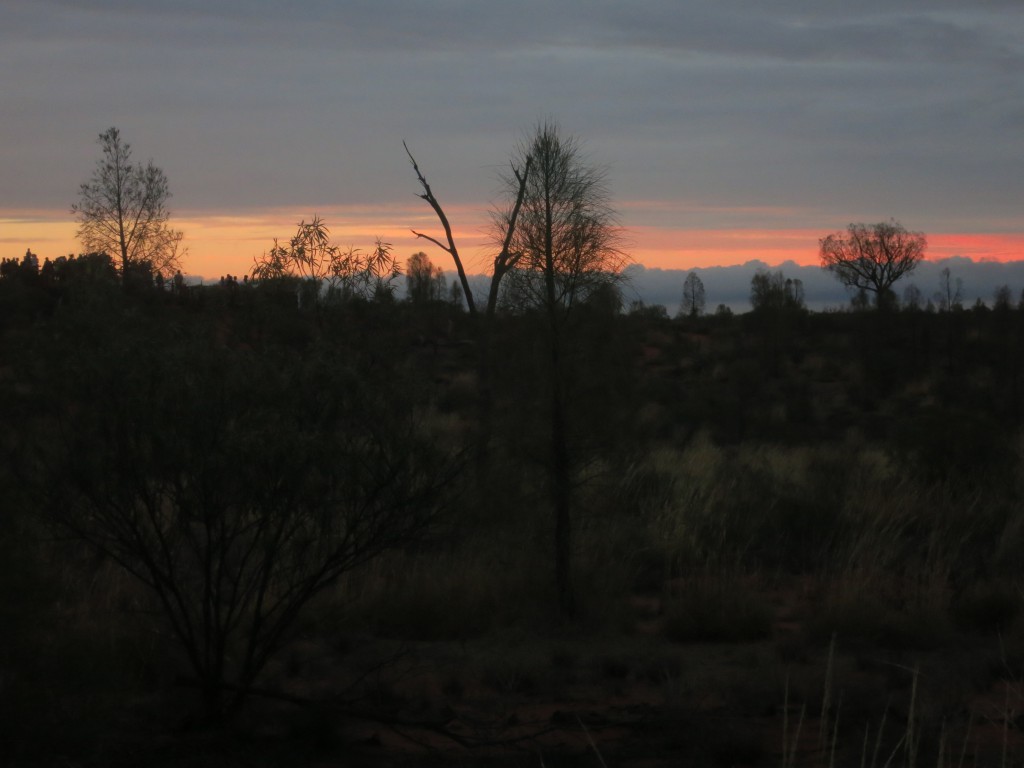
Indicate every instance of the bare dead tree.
{"type": "Point", "coordinates": [950, 296]}
{"type": "Point", "coordinates": [504, 262]}
{"type": "Point", "coordinates": [451, 248]}
{"type": "Point", "coordinates": [557, 248]}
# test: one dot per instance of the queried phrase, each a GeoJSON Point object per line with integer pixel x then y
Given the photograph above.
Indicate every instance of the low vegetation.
{"type": "Point", "coordinates": [796, 537]}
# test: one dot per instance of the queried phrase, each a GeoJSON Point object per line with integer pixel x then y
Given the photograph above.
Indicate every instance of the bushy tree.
{"type": "Point", "coordinates": [25, 270]}
{"type": "Point", "coordinates": [122, 211]}
{"type": "Point", "coordinates": [872, 257]}
{"type": "Point", "coordinates": [424, 282]}
{"type": "Point", "coordinates": [773, 291]}
{"type": "Point", "coordinates": [638, 308]}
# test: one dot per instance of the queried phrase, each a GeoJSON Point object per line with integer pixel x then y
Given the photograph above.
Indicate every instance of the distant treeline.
{"type": "Point", "coordinates": [731, 285]}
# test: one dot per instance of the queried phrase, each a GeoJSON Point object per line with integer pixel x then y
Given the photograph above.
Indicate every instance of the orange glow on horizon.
{"type": "Point", "coordinates": [228, 243]}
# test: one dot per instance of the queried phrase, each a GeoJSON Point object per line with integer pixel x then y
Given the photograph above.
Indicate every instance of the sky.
{"type": "Point", "coordinates": [729, 130]}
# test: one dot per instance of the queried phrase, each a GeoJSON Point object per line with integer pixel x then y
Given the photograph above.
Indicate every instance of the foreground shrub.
{"type": "Point", "coordinates": [235, 485]}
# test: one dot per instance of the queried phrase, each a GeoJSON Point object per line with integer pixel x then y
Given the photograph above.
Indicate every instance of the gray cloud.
{"type": "Point", "coordinates": [913, 110]}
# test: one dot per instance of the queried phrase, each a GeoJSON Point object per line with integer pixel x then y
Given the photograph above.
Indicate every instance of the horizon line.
{"type": "Point", "coordinates": [228, 244]}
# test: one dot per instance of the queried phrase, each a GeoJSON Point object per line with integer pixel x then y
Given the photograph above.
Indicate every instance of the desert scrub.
{"type": "Point", "coordinates": [768, 507]}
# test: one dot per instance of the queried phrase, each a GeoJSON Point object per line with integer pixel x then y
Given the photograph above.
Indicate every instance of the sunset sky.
{"type": "Point", "coordinates": [731, 130]}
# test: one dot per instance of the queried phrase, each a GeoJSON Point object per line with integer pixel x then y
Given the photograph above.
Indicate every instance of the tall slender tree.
{"type": "Point", "coordinates": [693, 296]}
{"type": "Point", "coordinates": [950, 295]}
{"type": "Point", "coordinates": [122, 211]}
{"type": "Point", "coordinates": [568, 253]}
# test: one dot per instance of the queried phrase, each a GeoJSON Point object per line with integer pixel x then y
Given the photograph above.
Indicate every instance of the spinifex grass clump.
{"type": "Point", "coordinates": [891, 553]}
{"type": "Point", "coordinates": [759, 507]}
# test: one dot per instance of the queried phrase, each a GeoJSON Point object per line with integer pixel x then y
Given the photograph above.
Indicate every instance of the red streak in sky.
{"type": "Point", "coordinates": [688, 249]}
{"type": "Point", "coordinates": [220, 245]}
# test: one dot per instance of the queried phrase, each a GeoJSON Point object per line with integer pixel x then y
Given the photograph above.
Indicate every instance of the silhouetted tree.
{"type": "Point", "coordinates": [565, 239]}
{"type": "Point", "coordinates": [568, 253]}
{"type": "Point", "coordinates": [85, 268]}
{"type": "Point", "coordinates": [30, 262]}
{"type": "Point", "coordinates": [693, 296]}
{"type": "Point", "coordinates": [1002, 299]}
{"type": "Point", "coordinates": [950, 295]}
{"type": "Point", "coordinates": [505, 260]}
{"type": "Point", "coordinates": [309, 255]}
{"type": "Point", "coordinates": [949, 299]}
{"type": "Point", "coordinates": [778, 304]}
{"type": "Point", "coordinates": [638, 308]}
{"type": "Point", "coordinates": [25, 271]}
{"type": "Point", "coordinates": [311, 258]}
{"type": "Point", "coordinates": [122, 210]}
{"type": "Point", "coordinates": [424, 282]}
{"type": "Point", "coordinates": [872, 257]}
{"type": "Point", "coordinates": [773, 291]}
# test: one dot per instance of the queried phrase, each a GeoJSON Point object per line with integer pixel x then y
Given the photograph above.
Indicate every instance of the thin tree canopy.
{"type": "Point", "coordinates": [122, 211]}
{"type": "Point", "coordinates": [566, 238]}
